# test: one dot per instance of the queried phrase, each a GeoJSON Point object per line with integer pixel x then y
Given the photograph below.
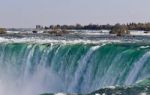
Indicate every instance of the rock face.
{"type": "Point", "coordinates": [34, 31]}
{"type": "Point", "coordinates": [2, 31]}
{"type": "Point", "coordinates": [132, 90]}
{"type": "Point", "coordinates": [120, 30]}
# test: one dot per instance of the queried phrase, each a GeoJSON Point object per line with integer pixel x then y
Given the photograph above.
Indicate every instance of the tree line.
{"type": "Point", "coordinates": [129, 26]}
{"type": "Point", "coordinates": [139, 26]}
{"type": "Point", "coordinates": [79, 27]}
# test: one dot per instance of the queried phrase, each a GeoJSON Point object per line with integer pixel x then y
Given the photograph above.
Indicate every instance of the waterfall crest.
{"type": "Point", "coordinates": [32, 69]}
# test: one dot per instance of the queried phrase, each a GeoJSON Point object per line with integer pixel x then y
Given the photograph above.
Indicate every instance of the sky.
{"type": "Point", "coordinates": [28, 13]}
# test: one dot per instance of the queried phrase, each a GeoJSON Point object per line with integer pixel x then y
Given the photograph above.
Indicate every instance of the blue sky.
{"type": "Point", "coordinates": [28, 13]}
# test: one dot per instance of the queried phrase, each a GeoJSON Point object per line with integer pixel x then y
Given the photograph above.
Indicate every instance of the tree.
{"type": "Point", "coordinates": [119, 30]}
{"type": "Point", "coordinates": [2, 31]}
{"type": "Point", "coordinates": [78, 26]}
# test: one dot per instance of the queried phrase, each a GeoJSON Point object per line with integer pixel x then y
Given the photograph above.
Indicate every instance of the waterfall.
{"type": "Point", "coordinates": [32, 69]}
{"type": "Point", "coordinates": [137, 66]}
{"type": "Point", "coordinates": [81, 69]}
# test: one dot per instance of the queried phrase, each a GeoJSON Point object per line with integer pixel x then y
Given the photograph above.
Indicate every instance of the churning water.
{"type": "Point", "coordinates": [33, 68]}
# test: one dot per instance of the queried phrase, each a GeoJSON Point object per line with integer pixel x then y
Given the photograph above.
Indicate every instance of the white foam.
{"type": "Point", "coordinates": [143, 47]}
{"type": "Point", "coordinates": [143, 93]}
{"type": "Point", "coordinates": [48, 40]}
{"type": "Point", "coordinates": [60, 94]}
{"type": "Point", "coordinates": [111, 87]}
{"type": "Point", "coordinates": [139, 33]}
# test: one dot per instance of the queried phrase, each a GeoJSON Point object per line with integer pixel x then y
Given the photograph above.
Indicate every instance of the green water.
{"type": "Point", "coordinates": [72, 68]}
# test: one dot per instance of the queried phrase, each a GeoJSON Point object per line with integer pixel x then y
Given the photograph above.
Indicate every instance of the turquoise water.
{"type": "Point", "coordinates": [32, 69]}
